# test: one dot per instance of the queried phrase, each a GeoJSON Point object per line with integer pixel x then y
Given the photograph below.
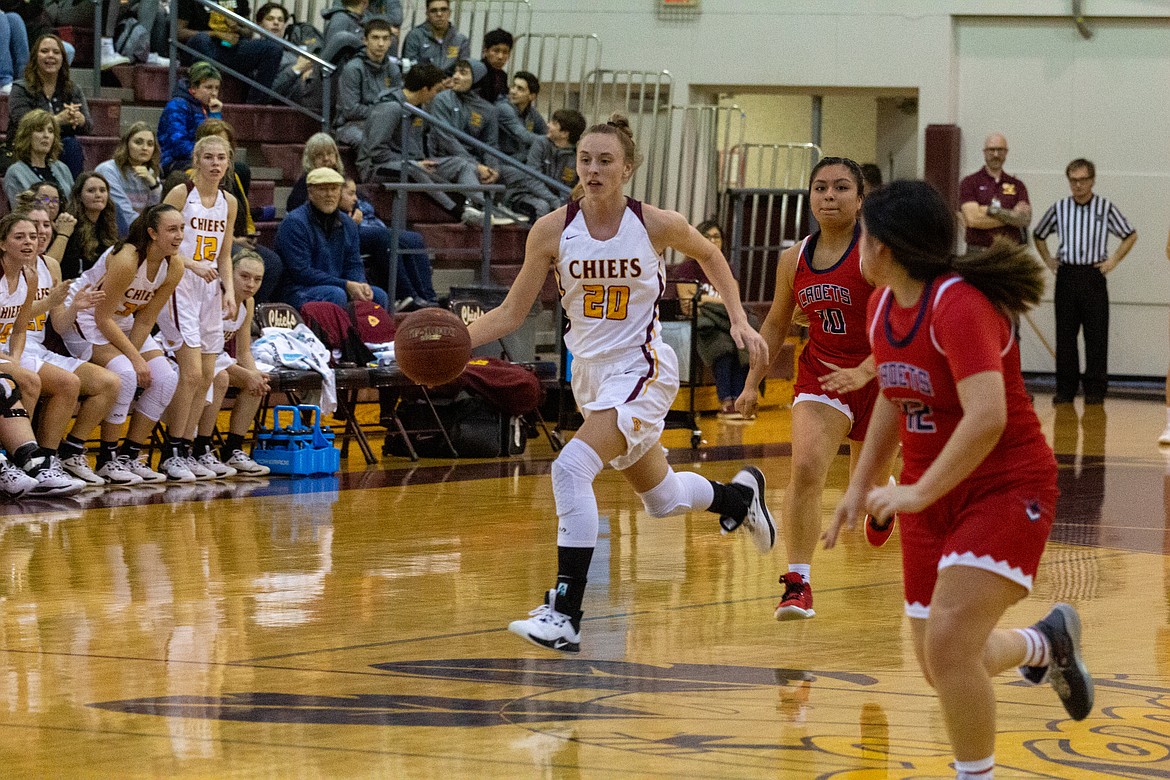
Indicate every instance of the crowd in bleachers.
{"type": "Point", "coordinates": [92, 301]}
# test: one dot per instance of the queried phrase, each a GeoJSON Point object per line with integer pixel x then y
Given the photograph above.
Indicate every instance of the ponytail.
{"type": "Point", "coordinates": [139, 236]}
{"type": "Point", "coordinates": [1007, 273]}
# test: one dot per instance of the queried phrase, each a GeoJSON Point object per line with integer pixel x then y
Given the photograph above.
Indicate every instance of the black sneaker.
{"type": "Point", "coordinates": [1066, 672]}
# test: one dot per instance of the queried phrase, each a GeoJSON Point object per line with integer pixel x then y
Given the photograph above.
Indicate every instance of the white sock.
{"type": "Point", "coordinates": [982, 769]}
{"type": "Point", "coordinates": [1039, 650]}
{"type": "Point", "coordinates": [573, 473]}
{"type": "Point", "coordinates": [803, 569]}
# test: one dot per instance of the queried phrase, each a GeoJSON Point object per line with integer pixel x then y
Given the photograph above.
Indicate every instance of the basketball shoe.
{"type": "Point", "coordinates": [796, 604]}
{"type": "Point", "coordinates": [876, 533]}
{"type": "Point", "coordinates": [243, 464]}
{"type": "Point", "coordinates": [77, 466]}
{"type": "Point", "coordinates": [549, 628]}
{"type": "Point", "coordinates": [1066, 671]}
{"type": "Point", "coordinates": [209, 461]}
{"type": "Point", "coordinates": [758, 520]}
{"type": "Point", "coordinates": [14, 482]}
{"type": "Point", "coordinates": [140, 466]}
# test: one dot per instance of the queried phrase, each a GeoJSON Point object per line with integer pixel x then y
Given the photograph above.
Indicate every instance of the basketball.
{"type": "Point", "coordinates": [432, 346]}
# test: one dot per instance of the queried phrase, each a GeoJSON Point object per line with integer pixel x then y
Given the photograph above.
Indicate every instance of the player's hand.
{"type": "Point", "coordinates": [230, 306]}
{"type": "Point", "coordinates": [844, 380]}
{"type": "Point", "coordinates": [57, 294]}
{"type": "Point", "coordinates": [888, 500]}
{"type": "Point", "coordinates": [851, 506]}
{"type": "Point", "coordinates": [256, 383]}
{"type": "Point", "coordinates": [800, 318]}
{"type": "Point", "coordinates": [87, 298]}
{"type": "Point", "coordinates": [205, 271]}
{"type": "Point", "coordinates": [746, 337]}
{"type": "Point", "coordinates": [142, 372]}
{"type": "Point", "coordinates": [748, 402]}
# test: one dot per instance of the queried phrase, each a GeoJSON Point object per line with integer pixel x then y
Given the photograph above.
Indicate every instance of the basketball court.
{"type": "Point", "coordinates": [356, 626]}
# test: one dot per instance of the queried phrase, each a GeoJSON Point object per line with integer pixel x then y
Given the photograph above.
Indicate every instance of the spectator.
{"type": "Point", "coordinates": [365, 81]}
{"type": "Point", "coordinates": [97, 224]}
{"type": "Point", "coordinates": [414, 287]}
{"type": "Point", "coordinates": [390, 10]}
{"type": "Point", "coordinates": [1083, 221]}
{"type": "Point", "coordinates": [520, 123]}
{"type": "Point", "coordinates": [13, 49]}
{"type": "Point", "coordinates": [217, 37]}
{"type": "Point", "coordinates": [436, 41]}
{"type": "Point", "coordinates": [385, 150]}
{"type": "Point", "coordinates": [343, 27]}
{"type": "Point", "coordinates": [555, 155]}
{"type": "Point", "coordinates": [716, 347]}
{"type": "Point", "coordinates": [36, 149]}
{"type": "Point", "coordinates": [195, 100]}
{"type": "Point", "coordinates": [79, 13]}
{"type": "Point", "coordinates": [497, 49]}
{"type": "Point", "coordinates": [321, 249]}
{"type": "Point", "coordinates": [296, 74]}
{"type": "Point", "coordinates": [993, 202]}
{"type": "Point", "coordinates": [133, 174]}
{"type": "Point", "coordinates": [49, 195]}
{"type": "Point", "coordinates": [872, 175]}
{"type": "Point", "coordinates": [46, 85]}
{"type": "Point", "coordinates": [463, 108]}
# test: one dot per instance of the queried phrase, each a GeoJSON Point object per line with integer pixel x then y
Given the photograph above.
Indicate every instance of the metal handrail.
{"type": "Point", "coordinates": [327, 68]}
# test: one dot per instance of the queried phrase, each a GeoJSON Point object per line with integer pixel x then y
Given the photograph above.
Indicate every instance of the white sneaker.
{"type": "Point", "coordinates": [221, 470]}
{"type": "Point", "coordinates": [77, 466]}
{"type": "Point", "coordinates": [158, 59]}
{"type": "Point", "coordinates": [140, 466]}
{"type": "Point", "coordinates": [53, 481]}
{"type": "Point", "coordinates": [242, 462]}
{"type": "Point", "coordinates": [110, 57]}
{"type": "Point", "coordinates": [548, 628]}
{"type": "Point", "coordinates": [759, 521]}
{"type": "Point", "coordinates": [198, 469]}
{"type": "Point", "coordinates": [13, 481]}
{"type": "Point", "coordinates": [6, 89]}
{"type": "Point", "coordinates": [115, 471]}
{"type": "Point", "coordinates": [472, 216]}
{"type": "Point", "coordinates": [175, 469]}
{"type": "Point", "coordinates": [1165, 437]}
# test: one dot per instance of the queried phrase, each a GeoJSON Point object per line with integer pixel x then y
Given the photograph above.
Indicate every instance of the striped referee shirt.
{"type": "Point", "coordinates": [1083, 228]}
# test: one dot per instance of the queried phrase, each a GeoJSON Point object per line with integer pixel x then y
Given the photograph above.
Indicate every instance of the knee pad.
{"type": "Point", "coordinates": [678, 493]}
{"type": "Point", "coordinates": [121, 367]}
{"type": "Point", "coordinates": [10, 397]}
{"type": "Point", "coordinates": [163, 381]}
{"type": "Point", "coordinates": [573, 473]}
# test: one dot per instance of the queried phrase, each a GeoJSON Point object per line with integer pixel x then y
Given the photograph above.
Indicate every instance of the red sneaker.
{"type": "Point", "coordinates": [797, 601]}
{"type": "Point", "coordinates": [877, 533]}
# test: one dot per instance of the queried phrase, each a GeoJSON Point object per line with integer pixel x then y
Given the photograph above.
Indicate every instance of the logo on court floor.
{"type": "Point", "coordinates": [703, 716]}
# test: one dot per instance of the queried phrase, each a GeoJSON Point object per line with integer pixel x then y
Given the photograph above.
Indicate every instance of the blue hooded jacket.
{"type": "Point", "coordinates": [176, 127]}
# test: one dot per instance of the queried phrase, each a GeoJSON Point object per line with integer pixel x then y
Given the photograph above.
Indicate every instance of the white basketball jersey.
{"type": "Point", "coordinates": [10, 303]}
{"type": "Point", "coordinates": [137, 295]}
{"type": "Point", "coordinates": [609, 289]}
{"type": "Point", "coordinates": [232, 325]}
{"type": "Point", "coordinates": [205, 227]}
{"type": "Point", "coordinates": [36, 326]}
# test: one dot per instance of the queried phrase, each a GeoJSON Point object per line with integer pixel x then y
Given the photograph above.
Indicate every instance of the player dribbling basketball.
{"type": "Point", "coordinates": [606, 250]}
{"type": "Point", "coordinates": [978, 486]}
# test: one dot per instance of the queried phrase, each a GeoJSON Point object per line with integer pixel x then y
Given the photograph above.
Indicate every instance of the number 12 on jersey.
{"type": "Point", "coordinates": [206, 248]}
{"type": "Point", "coordinates": [609, 303]}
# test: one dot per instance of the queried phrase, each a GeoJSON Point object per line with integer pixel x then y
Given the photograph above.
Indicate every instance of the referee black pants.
{"type": "Point", "coordinates": [1082, 301]}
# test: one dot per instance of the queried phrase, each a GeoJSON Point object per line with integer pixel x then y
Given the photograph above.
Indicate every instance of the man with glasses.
{"type": "Point", "coordinates": [993, 202]}
{"type": "Point", "coordinates": [1083, 221]}
{"type": "Point", "coordinates": [436, 40]}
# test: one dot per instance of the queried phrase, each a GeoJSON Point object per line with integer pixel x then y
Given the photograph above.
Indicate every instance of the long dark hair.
{"type": "Point", "coordinates": [7, 222]}
{"type": "Point", "coordinates": [32, 76]}
{"type": "Point", "coordinates": [913, 220]}
{"type": "Point", "coordinates": [137, 236]}
{"type": "Point", "coordinates": [103, 231]}
{"type": "Point", "coordinates": [854, 171]}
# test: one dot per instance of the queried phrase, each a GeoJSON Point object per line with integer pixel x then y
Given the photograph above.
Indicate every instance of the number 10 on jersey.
{"type": "Point", "coordinates": [608, 303]}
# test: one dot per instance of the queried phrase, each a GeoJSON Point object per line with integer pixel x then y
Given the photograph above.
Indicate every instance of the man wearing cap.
{"type": "Point", "coordinates": [321, 249]}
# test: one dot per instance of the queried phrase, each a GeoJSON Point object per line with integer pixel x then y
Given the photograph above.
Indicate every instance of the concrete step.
{"type": "Point", "coordinates": [280, 199]}
{"type": "Point", "coordinates": [446, 278]}
{"type": "Point", "coordinates": [135, 113]}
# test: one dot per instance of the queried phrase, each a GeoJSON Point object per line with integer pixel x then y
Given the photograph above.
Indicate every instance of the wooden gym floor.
{"type": "Point", "coordinates": [356, 627]}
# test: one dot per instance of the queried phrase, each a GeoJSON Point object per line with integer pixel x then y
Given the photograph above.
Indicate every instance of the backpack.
{"type": "Point", "coordinates": [374, 325]}
{"type": "Point", "coordinates": [476, 428]}
{"type": "Point", "coordinates": [132, 40]}
{"type": "Point", "coordinates": [333, 326]}
{"type": "Point", "coordinates": [304, 35]}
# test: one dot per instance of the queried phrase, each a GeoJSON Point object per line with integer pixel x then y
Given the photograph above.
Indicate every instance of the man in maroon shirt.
{"type": "Point", "coordinates": [992, 202]}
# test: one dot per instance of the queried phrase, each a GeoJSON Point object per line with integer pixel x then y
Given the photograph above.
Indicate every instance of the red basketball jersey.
{"type": "Point", "coordinates": [835, 301]}
{"type": "Point", "coordinates": [922, 352]}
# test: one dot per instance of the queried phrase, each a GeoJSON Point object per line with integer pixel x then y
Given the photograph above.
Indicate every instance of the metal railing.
{"type": "Point", "coordinates": [764, 222]}
{"type": "Point", "coordinates": [562, 62]}
{"type": "Point", "coordinates": [773, 166]}
{"type": "Point", "coordinates": [643, 96]}
{"type": "Point", "coordinates": [327, 68]}
{"type": "Point", "coordinates": [701, 176]}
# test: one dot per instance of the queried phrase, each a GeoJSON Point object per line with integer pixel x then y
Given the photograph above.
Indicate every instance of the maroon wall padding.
{"type": "Point", "coordinates": [942, 161]}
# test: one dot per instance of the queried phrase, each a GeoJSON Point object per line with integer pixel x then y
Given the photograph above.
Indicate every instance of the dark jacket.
{"type": "Point", "coordinates": [180, 119]}
{"type": "Point", "coordinates": [313, 256]}
{"type": "Point", "coordinates": [363, 84]}
{"type": "Point", "coordinates": [22, 100]}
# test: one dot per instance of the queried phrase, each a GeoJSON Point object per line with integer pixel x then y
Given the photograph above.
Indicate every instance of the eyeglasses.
{"type": "Point", "coordinates": [1080, 179]}
{"type": "Point", "coordinates": [49, 201]}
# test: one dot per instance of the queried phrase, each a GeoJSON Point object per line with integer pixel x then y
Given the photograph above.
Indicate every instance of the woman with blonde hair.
{"type": "Point", "coordinates": [134, 174]}
{"type": "Point", "coordinates": [36, 149]}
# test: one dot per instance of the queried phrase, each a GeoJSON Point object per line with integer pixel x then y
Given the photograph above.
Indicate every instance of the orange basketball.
{"type": "Point", "coordinates": [432, 346]}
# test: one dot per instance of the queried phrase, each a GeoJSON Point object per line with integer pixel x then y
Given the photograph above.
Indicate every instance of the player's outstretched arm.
{"type": "Point", "coordinates": [774, 329]}
{"type": "Point", "coordinates": [540, 252]}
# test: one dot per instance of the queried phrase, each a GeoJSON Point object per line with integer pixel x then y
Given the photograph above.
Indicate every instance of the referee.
{"type": "Point", "coordinates": [1083, 222]}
